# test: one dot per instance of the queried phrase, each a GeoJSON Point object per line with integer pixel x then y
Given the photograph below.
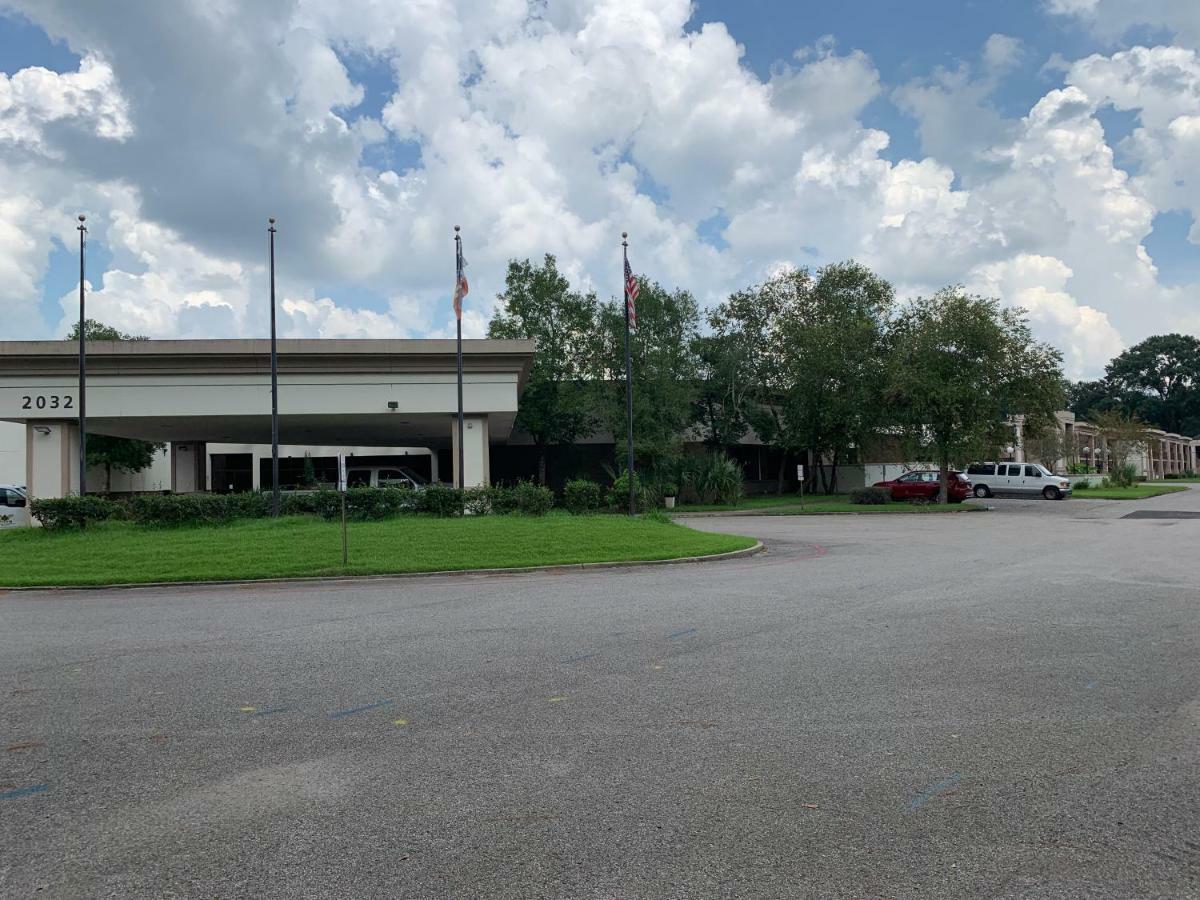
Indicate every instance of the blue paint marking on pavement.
{"type": "Point", "coordinates": [932, 791]}
{"type": "Point", "coordinates": [1089, 685]}
{"type": "Point", "coordinates": [342, 713]}
{"type": "Point", "coordinates": [679, 634]}
{"type": "Point", "coordinates": [575, 659]}
{"type": "Point", "coordinates": [270, 712]}
{"type": "Point", "coordinates": [24, 792]}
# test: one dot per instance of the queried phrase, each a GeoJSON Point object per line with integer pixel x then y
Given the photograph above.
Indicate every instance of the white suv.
{"type": "Point", "coordinates": [384, 476]}
{"type": "Point", "coordinates": [1017, 478]}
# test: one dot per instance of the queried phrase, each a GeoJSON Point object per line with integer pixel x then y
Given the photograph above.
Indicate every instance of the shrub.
{"type": "Point", "coordinates": [440, 500]}
{"type": "Point", "coordinates": [1188, 473]}
{"type": "Point", "coordinates": [533, 499]}
{"type": "Point", "coordinates": [477, 501]}
{"type": "Point", "coordinates": [1123, 476]}
{"type": "Point", "coordinates": [197, 509]}
{"type": "Point", "coordinates": [299, 504]}
{"type": "Point", "coordinates": [618, 497]}
{"type": "Point", "coordinates": [1081, 485]}
{"type": "Point", "coordinates": [502, 499]}
{"type": "Point", "coordinates": [870, 496]}
{"type": "Point", "coordinates": [668, 489]}
{"type": "Point", "coordinates": [582, 496]}
{"type": "Point", "coordinates": [58, 513]}
{"type": "Point", "coordinates": [365, 504]}
{"type": "Point", "coordinates": [713, 478]}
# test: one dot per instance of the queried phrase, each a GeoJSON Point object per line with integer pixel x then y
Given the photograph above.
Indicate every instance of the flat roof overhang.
{"type": "Point", "coordinates": [332, 392]}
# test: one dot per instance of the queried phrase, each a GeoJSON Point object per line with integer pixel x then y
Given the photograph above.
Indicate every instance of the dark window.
{"type": "Point", "coordinates": [1033, 472]}
{"type": "Point", "coordinates": [358, 478]}
{"type": "Point", "coordinates": [910, 477]}
{"type": "Point", "coordinates": [978, 469]}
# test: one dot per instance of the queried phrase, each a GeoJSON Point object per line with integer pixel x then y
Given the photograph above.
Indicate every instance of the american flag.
{"type": "Point", "coordinates": [460, 287]}
{"type": "Point", "coordinates": [631, 292]}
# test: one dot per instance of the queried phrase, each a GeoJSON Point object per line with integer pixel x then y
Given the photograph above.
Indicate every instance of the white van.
{"type": "Point", "coordinates": [14, 506]}
{"type": "Point", "coordinates": [1017, 478]}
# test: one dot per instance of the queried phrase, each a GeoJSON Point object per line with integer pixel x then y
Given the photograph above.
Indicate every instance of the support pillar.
{"type": "Point", "coordinates": [51, 459]}
{"type": "Point", "coordinates": [189, 467]}
{"type": "Point", "coordinates": [1019, 439]}
{"type": "Point", "coordinates": [476, 458]}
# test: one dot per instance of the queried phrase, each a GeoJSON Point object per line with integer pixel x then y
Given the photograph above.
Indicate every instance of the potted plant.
{"type": "Point", "coordinates": [669, 492]}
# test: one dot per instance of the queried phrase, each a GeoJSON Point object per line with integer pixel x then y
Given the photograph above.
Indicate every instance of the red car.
{"type": "Point", "coordinates": [923, 485]}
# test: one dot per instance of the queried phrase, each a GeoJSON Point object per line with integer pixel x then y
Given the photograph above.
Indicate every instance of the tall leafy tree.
{"type": "Point", "coordinates": [665, 371]}
{"type": "Point", "coordinates": [126, 454]}
{"type": "Point", "coordinates": [810, 355]}
{"type": "Point", "coordinates": [960, 367]}
{"type": "Point", "coordinates": [1159, 379]}
{"type": "Point", "coordinates": [538, 304]}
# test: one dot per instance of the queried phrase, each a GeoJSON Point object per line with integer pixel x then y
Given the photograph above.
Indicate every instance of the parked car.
{"type": "Point", "coordinates": [14, 506]}
{"type": "Point", "coordinates": [923, 484]}
{"type": "Point", "coordinates": [384, 476]}
{"type": "Point", "coordinates": [1017, 478]}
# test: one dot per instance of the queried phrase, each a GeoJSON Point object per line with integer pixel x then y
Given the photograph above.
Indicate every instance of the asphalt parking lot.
{"type": "Point", "coordinates": [1000, 705]}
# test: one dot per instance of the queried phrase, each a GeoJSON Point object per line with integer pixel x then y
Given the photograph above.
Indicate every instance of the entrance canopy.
{"type": "Point", "coordinates": [335, 392]}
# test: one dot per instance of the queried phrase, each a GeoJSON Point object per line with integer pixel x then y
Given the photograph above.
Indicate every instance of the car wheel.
{"type": "Point", "coordinates": [1051, 493]}
{"type": "Point", "coordinates": [981, 491]}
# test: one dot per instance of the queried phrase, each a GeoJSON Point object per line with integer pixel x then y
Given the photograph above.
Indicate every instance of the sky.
{"type": "Point", "coordinates": [1039, 151]}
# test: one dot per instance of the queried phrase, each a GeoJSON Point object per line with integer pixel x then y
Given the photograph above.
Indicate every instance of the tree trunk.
{"type": "Point", "coordinates": [944, 482]}
{"type": "Point", "coordinates": [542, 465]}
{"type": "Point", "coordinates": [833, 476]}
{"type": "Point", "coordinates": [782, 470]}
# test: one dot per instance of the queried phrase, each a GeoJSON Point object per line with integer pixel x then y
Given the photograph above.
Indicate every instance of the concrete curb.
{"type": "Point", "coordinates": [398, 576]}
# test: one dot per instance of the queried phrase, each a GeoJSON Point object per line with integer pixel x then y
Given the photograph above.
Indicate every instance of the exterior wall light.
{"type": "Point", "coordinates": [392, 404]}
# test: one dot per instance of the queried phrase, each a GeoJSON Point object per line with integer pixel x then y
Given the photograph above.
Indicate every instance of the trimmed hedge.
{"type": "Point", "coordinates": [871, 496]}
{"type": "Point", "coordinates": [365, 504]}
{"type": "Point", "coordinates": [197, 509]}
{"type": "Point", "coordinates": [582, 496]}
{"type": "Point", "coordinates": [58, 513]}
{"type": "Point", "coordinates": [533, 499]}
{"type": "Point", "coordinates": [440, 500]}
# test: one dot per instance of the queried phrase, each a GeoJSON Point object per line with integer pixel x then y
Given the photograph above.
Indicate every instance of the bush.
{"type": "Point", "coordinates": [58, 513]}
{"type": "Point", "coordinates": [713, 478]}
{"type": "Point", "coordinates": [1171, 476]}
{"type": "Point", "coordinates": [1188, 473]}
{"type": "Point", "coordinates": [365, 504]}
{"type": "Point", "coordinates": [582, 496]}
{"type": "Point", "coordinates": [870, 496]}
{"type": "Point", "coordinates": [440, 500]}
{"type": "Point", "coordinates": [1081, 485]}
{"type": "Point", "coordinates": [197, 509]}
{"type": "Point", "coordinates": [477, 501]}
{"type": "Point", "coordinates": [668, 489]}
{"type": "Point", "coordinates": [502, 499]}
{"type": "Point", "coordinates": [1125, 476]}
{"type": "Point", "coordinates": [618, 496]}
{"type": "Point", "coordinates": [533, 499]}
{"type": "Point", "coordinates": [302, 504]}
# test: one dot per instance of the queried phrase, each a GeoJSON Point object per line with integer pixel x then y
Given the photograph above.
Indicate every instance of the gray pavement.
{"type": "Point", "coordinates": [999, 705]}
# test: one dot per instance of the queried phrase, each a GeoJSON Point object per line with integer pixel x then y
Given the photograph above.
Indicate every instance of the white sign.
{"type": "Point", "coordinates": [341, 472]}
{"type": "Point", "coordinates": [800, 473]}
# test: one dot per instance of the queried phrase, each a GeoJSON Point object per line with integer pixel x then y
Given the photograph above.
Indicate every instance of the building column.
{"type": "Point", "coordinates": [1019, 439]}
{"type": "Point", "coordinates": [51, 459]}
{"type": "Point", "coordinates": [189, 467]}
{"type": "Point", "coordinates": [433, 461]}
{"type": "Point", "coordinates": [476, 457]}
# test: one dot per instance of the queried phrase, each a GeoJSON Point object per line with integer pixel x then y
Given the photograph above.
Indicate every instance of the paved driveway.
{"type": "Point", "coordinates": [947, 706]}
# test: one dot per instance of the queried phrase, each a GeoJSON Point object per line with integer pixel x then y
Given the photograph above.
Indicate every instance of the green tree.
{"type": "Point", "coordinates": [1159, 379]}
{"type": "Point", "coordinates": [1123, 436]}
{"type": "Point", "coordinates": [127, 454]}
{"type": "Point", "coordinates": [665, 372]}
{"type": "Point", "coordinates": [538, 304]}
{"type": "Point", "coordinates": [960, 367]}
{"type": "Point", "coordinates": [811, 356]}
{"type": "Point", "coordinates": [98, 331]}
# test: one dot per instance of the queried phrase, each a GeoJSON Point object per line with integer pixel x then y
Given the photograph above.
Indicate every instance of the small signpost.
{"type": "Point", "coordinates": [800, 478]}
{"type": "Point", "coordinates": [342, 493]}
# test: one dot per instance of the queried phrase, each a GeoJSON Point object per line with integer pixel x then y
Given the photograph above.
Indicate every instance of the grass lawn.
{"type": "Point", "coordinates": [1136, 492]}
{"type": "Point", "coordinates": [120, 552]}
{"type": "Point", "coordinates": [818, 504]}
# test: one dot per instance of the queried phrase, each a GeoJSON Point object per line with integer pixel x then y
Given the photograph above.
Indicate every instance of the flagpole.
{"type": "Point", "coordinates": [82, 367]}
{"type": "Point", "coordinates": [628, 377]}
{"type": "Point", "coordinates": [274, 384]}
{"type": "Point", "coordinates": [458, 272]}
